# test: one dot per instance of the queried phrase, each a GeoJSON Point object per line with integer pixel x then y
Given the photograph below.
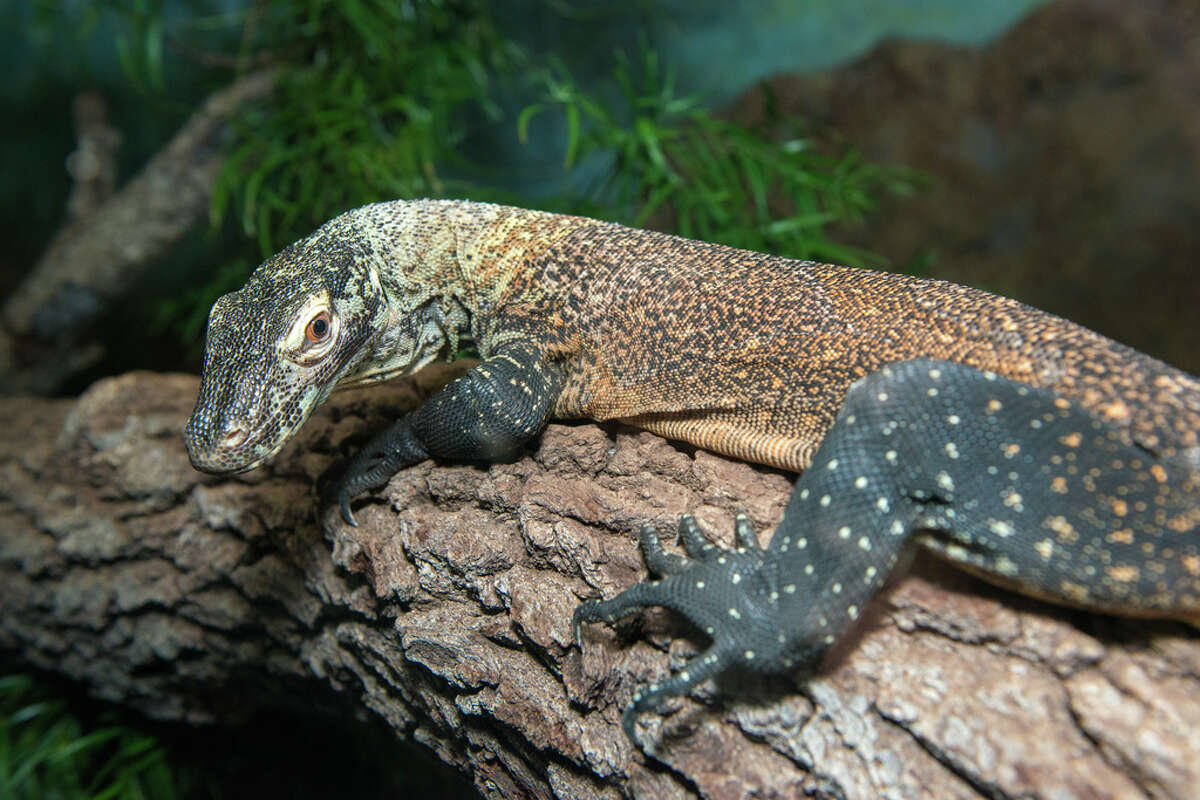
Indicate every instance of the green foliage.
{"type": "Point", "coordinates": [376, 98]}
{"type": "Point", "coordinates": [140, 47]}
{"type": "Point", "coordinates": [673, 164]}
{"type": "Point", "coordinates": [47, 753]}
{"type": "Point", "coordinates": [372, 104]}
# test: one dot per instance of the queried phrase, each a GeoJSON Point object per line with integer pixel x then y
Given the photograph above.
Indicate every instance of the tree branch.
{"type": "Point", "coordinates": [99, 256]}
{"type": "Point", "coordinates": [446, 616]}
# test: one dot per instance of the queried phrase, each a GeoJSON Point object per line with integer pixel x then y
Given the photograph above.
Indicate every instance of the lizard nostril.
{"type": "Point", "coordinates": [234, 437]}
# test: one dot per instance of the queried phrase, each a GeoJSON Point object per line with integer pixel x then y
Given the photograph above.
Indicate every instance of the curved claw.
{"type": "Point", "coordinates": [577, 620]}
{"type": "Point", "coordinates": [339, 492]}
{"type": "Point", "coordinates": [628, 720]}
{"type": "Point", "coordinates": [344, 505]}
{"type": "Point", "coordinates": [372, 466]}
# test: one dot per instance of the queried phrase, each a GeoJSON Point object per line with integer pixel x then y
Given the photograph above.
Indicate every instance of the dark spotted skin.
{"type": "Point", "coordinates": [487, 414]}
{"type": "Point", "coordinates": [1022, 446]}
{"type": "Point", "coordinates": [1009, 480]}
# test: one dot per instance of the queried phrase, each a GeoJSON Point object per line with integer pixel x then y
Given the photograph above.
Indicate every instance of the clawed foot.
{"type": "Point", "coordinates": [371, 467]}
{"type": "Point", "coordinates": [727, 593]}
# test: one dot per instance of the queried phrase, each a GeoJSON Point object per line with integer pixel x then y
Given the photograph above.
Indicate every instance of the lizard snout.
{"type": "Point", "coordinates": [221, 447]}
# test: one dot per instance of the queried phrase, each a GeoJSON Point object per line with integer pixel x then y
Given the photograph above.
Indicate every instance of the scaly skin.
{"type": "Point", "coordinates": [1027, 448]}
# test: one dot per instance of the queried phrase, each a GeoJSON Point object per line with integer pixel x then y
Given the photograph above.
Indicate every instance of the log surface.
{"type": "Point", "coordinates": [446, 616]}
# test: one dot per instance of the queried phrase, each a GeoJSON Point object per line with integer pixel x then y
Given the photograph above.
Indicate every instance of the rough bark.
{"type": "Point", "coordinates": [100, 254]}
{"type": "Point", "coordinates": [93, 165]}
{"type": "Point", "coordinates": [446, 616]}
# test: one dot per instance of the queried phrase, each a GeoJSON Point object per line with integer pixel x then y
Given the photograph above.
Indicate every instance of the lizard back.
{"type": "Point", "coordinates": [751, 355]}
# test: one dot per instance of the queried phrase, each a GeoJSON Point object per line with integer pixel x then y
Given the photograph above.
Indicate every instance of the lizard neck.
{"type": "Point", "coordinates": [461, 267]}
{"type": "Point", "coordinates": [413, 266]}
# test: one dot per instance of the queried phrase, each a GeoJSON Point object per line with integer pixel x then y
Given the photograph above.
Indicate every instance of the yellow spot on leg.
{"type": "Point", "coordinates": [1116, 411]}
{"type": "Point", "coordinates": [1045, 549]}
{"type": "Point", "coordinates": [1125, 573]}
{"type": "Point", "coordinates": [1075, 591]}
{"type": "Point", "coordinates": [1181, 523]}
{"type": "Point", "coordinates": [1124, 536]}
{"type": "Point", "coordinates": [1065, 530]}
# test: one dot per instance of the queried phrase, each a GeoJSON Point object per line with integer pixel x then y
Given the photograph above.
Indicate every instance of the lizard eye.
{"type": "Point", "coordinates": [314, 333]}
{"type": "Point", "coordinates": [317, 329]}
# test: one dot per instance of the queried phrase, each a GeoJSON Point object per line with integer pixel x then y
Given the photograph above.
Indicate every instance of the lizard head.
{"type": "Point", "coordinates": [311, 318]}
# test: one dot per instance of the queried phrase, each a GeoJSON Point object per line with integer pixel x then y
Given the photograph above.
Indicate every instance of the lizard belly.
{"type": "Point", "coordinates": [727, 434]}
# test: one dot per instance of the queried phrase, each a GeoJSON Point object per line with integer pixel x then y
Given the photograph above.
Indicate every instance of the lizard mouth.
{"type": "Point", "coordinates": [241, 442]}
{"type": "Point", "coordinates": [223, 461]}
{"type": "Point", "coordinates": [235, 450]}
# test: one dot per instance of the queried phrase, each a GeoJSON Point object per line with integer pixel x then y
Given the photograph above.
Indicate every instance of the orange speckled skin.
{"type": "Point", "coordinates": [751, 355]}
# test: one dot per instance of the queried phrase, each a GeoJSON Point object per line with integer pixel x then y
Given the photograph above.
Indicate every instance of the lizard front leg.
{"type": "Point", "coordinates": [486, 414]}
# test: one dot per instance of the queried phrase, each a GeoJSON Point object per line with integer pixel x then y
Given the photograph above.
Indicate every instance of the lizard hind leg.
{"type": "Point", "coordinates": [740, 621]}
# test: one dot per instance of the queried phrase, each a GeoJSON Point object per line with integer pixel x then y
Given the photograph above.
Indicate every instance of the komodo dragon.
{"type": "Point", "coordinates": [1021, 446]}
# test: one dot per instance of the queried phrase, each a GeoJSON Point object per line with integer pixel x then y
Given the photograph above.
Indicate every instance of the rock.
{"type": "Point", "coordinates": [1062, 162]}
